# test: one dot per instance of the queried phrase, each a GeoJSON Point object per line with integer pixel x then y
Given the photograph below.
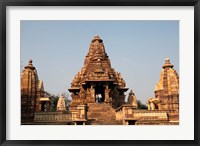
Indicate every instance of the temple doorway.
{"type": "Point", "coordinates": [43, 106]}
{"type": "Point", "coordinates": [100, 93]}
{"type": "Point", "coordinates": [131, 122]}
{"type": "Point", "coordinates": [156, 106]}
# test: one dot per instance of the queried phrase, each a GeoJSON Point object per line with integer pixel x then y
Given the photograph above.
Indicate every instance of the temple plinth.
{"type": "Point", "coordinates": [97, 77]}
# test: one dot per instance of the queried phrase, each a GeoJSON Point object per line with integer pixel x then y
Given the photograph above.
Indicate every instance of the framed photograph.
{"type": "Point", "coordinates": [99, 72]}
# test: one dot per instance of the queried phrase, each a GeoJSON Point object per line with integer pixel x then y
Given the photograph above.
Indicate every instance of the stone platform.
{"type": "Point", "coordinates": [101, 114]}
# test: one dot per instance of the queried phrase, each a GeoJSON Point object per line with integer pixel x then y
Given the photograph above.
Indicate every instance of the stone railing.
{"type": "Point", "coordinates": [52, 117]}
{"type": "Point", "coordinates": [148, 115]}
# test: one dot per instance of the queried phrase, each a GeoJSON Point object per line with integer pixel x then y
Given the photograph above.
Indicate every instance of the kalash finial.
{"type": "Point", "coordinates": [30, 62]}
{"type": "Point", "coordinates": [131, 92]}
{"type": "Point", "coordinates": [167, 63]}
{"type": "Point", "coordinates": [30, 65]}
{"type": "Point", "coordinates": [96, 37]}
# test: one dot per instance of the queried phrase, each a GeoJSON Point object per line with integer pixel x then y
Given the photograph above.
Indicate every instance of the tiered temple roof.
{"type": "Point", "coordinates": [97, 66]}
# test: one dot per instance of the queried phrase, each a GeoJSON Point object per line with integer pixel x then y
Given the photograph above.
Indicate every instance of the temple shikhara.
{"type": "Point", "coordinates": [33, 97]}
{"type": "Point", "coordinates": [98, 95]}
{"type": "Point", "coordinates": [98, 77]}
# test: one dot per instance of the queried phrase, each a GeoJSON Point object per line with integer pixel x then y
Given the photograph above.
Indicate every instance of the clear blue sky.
{"type": "Point", "coordinates": [137, 49]}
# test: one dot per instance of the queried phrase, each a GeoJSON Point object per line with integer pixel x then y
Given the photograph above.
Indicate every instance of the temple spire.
{"type": "Point", "coordinates": [132, 100]}
{"type": "Point", "coordinates": [61, 105]}
{"type": "Point", "coordinates": [96, 51]}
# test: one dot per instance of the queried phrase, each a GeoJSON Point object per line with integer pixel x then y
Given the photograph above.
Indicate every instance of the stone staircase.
{"type": "Point", "coordinates": [101, 114]}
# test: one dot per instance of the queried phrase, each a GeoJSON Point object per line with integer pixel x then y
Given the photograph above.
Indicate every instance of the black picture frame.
{"type": "Point", "coordinates": [5, 3]}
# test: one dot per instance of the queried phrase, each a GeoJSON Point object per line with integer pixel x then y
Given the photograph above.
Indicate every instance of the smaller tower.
{"type": "Point", "coordinates": [61, 105]}
{"type": "Point", "coordinates": [32, 90]}
{"type": "Point", "coordinates": [167, 89]}
{"type": "Point", "coordinates": [132, 99]}
{"type": "Point", "coordinates": [29, 88]}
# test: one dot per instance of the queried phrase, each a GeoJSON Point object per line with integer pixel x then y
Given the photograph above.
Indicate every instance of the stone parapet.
{"type": "Point", "coordinates": [149, 115]}
{"type": "Point", "coordinates": [128, 115]}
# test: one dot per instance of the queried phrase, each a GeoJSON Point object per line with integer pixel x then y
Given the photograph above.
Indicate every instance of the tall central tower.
{"type": "Point", "coordinates": [97, 77]}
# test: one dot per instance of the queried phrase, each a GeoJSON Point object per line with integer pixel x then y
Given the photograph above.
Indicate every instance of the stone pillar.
{"type": "Point", "coordinates": [125, 122]}
{"type": "Point", "coordinates": [152, 106]}
{"type": "Point", "coordinates": [107, 91]}
{"type": "Point", "coordinates": [37, 109]}
{"type": "Point", "coordinates": [92, 92]}
{"type": "Point", "coordinates": [49, 106]}
{"type": "Point", "coordinates": [149, 107]}
{"type": "Point", "coordinates": [159, 106]}
{"type": "Point", "coordinates": [40, 107]}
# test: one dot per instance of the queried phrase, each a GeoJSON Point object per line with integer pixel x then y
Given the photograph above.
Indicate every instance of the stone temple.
{"type": "Point", "coordinates": [98, 96]}
{"type": "Point", "coordinates": [33, 97]}
{"type": "Point", "coordinates": [61, 104]}
{"type": "Point", "coordinates": [98, 77]}
{"type": "Point", "coordinates": [166, 92]}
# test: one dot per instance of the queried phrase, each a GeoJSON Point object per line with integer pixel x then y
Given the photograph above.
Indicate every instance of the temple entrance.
{"type": "Point", "coordinates": [156, 106]}
{"type": "Point", "coordinates": [99, 93]}
{"type": "Point", "coordinates": [131, 122]}
{"type": "Point", "coordinates": [43, 106]}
